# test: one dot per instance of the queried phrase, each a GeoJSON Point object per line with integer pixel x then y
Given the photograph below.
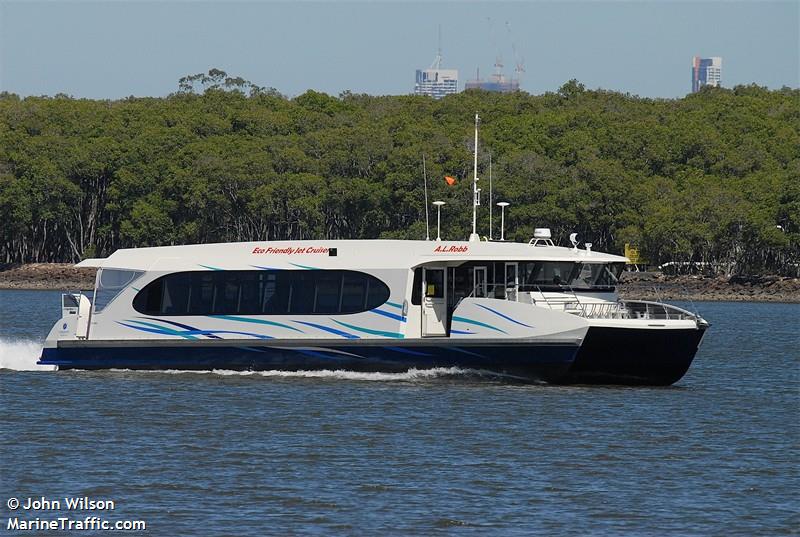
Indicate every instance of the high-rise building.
{"type": "Point", "coordinates": [706, 72]}
{"type": "Point", "coordinates": [436, 82]}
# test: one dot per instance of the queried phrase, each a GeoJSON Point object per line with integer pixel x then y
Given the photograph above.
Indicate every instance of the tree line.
{"type": "Point", "coordinates": [712, 178]}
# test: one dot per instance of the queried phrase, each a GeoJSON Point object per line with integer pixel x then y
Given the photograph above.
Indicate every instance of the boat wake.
{"type": "Point", "coordinates": [411, 375]}
{"type": "Point", "coordinates": [21, 355]}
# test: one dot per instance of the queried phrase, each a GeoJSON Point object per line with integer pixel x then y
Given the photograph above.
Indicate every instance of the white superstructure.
{"type": "Point", "coordinates": [467, 272]}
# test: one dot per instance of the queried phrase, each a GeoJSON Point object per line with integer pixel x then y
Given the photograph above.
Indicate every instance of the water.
{"type": "Point", "coordinates": [421, 453]}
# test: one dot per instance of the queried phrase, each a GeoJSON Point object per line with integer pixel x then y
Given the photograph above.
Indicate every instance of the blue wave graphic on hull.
{"type": "Point", "coordinates": [389, 314]}
{"type": "Point", "coordinates": [191, 333]}
{"type": "Point", "coordinates": [478, 323]}
{"type": "Point", "coordinates": [173, 323]}
{"type": "Point", "coordinates": [372, 331]}
{"type": "Point", "coordinates": [504, 316]}
{"type": "Point", "coordinates": [255, 321]}
{"type": "Point", "coordinates": [330, 330]}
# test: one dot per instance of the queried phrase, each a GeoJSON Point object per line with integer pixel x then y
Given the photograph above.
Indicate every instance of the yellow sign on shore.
{"type": "Point", "coordinates": [632, 253]}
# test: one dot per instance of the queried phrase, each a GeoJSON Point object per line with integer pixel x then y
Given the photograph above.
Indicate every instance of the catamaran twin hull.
{"type": "Point", "coordinates": [530, 312]}
{"type": "Point", "coordinates": [543, 360]}
{"type": "Point", "coordinates": [606, 356]}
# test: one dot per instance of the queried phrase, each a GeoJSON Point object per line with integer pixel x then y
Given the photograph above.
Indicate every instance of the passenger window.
{"type": "Point", "coordinates": [153, 298]}
{"type": "Point", "coordinates": [354, 293]}
{"type": "Point", "coordinates": [302, 293]}
{"type": "Point", "coordinates": [249, 298]}
{"type": "Point", "coordinates": [276, 299]}
{"type": "Point", "coordinates": [176, 294]}
{"type": "Point", "coordinates": [201, 295]}
{"type": "Point", "coordinates": [326, 297]}
{"type": "Point", "coordinates": [261, 292]}
{"type": "Point", "coordinates": [227, 295]}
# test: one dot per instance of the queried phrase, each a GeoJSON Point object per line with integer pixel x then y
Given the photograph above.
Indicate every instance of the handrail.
{"type": "Point", "coordinates": [619, 309]}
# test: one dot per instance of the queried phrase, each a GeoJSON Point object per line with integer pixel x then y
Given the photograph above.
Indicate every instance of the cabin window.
{"type": "Point", "coordinates": [249, 286]}
{"type": "Point", "coordinates": [110, 283]}
{"type": "Point", "coordinates": [416, 287]}
{"type": "Point", "coordinates": [175, 296]}
{"type": "Point", "coordinates": [201, 294]}
{"type": "Point", "coordinates": [262, 292]}
{"type": "Point", "coordinates": [354, 292]}
{"type": "Point", "coordinates": [327, 293]}
{"type": "Point", "coordinates": [558, 275]}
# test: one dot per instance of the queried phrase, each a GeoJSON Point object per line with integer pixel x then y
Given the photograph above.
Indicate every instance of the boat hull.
{"type": "Point", "coordinates": [545, 361]}
{"type": "Point", "coordinates": [634, 356]}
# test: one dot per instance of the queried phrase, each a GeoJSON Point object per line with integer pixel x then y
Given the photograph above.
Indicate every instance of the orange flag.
{"type": "Point", "coordinates": [450, 180]}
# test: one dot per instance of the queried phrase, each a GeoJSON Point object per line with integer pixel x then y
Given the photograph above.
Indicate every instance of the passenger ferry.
{"type": "Point", "coordinates": [534, 311]}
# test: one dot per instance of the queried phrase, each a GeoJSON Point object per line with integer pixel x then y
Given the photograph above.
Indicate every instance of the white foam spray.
{"type": "Point", "coordinates": [408, 376]}
{"type": "Point", "coordinates": [21, 355]}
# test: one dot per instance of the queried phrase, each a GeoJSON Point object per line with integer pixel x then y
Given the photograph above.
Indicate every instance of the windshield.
{"type": "Point", "coordinates": [557, 275]}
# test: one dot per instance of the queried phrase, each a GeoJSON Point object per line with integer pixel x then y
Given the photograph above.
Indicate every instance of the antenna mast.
{"type": "Point", "coordinates": [490, 195]}
{"type": "Point", "coordinates": [425, 179]}
{"type": "Point", "coordinates": [475, 190]}
{"type": "Point", "coordinates": [437, 63]}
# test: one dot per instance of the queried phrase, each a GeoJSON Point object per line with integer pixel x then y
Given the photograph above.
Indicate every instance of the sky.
{"type": "Point", "coordinates": [115, 49]}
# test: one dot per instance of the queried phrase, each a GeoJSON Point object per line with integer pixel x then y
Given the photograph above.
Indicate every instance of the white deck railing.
{"type": "Point", "coordinates": [591, 308]}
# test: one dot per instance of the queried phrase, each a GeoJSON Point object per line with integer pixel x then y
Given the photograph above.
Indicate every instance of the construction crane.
{"type": "Point", "coordinates": [498, 58]}
{"type": "Point", "coordinates": [519, 61]}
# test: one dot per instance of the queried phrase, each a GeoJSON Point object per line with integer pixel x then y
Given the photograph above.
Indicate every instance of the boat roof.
{"type": "Point", "coordinates": [349, 254]}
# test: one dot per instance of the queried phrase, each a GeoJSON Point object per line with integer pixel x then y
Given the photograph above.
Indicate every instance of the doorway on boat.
{"type": "Point", "coordinates": [434, 301]}
{"type": "Point", "coordinates": [512, 281]}
{"type": "Point", "coordinates": [479, 282]}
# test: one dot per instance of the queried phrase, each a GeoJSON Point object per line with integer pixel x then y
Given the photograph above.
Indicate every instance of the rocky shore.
{"type": "Point", "coordinates": [61, 276]}
{"type": "Point", "coordinates": [660, 287]}
{"type": "Point", "coordinates": [634, 285]}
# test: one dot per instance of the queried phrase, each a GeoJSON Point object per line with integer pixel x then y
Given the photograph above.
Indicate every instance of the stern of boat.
{"type": "Point", "coordinates": [73, 325]}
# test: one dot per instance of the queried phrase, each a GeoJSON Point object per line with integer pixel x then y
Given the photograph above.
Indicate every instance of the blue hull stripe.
{"type": "Point", "coordinates": [330, 330]}
{"type": "Point", "coordinates": [478, 323]}
{"type": "Point", "coordinates": [506, 317]}
{"type": "Point", "coordinates": [188, 334]}
{"type": "Point", "coordinates": [393, 335]}
{"type": "Point", "coordinates": [173, 323]}
{"type": "Point", "coordinates": [389, 314]}
{"type": "Point", "coordinates": [154, 329]}
{"type": "Point", "coordinates": [256, 321]}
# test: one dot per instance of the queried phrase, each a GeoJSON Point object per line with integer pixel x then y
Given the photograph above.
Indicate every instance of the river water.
{"type": "Point", "coordinates": [436, 452]}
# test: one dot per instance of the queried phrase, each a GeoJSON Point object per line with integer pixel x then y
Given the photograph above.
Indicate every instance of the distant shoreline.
{"type": "Point", "coordinates": [633, 286]}
{"type": "Point", "coordinates": [660, 287]}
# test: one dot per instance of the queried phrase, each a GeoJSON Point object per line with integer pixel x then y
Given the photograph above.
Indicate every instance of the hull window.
{"type": "Point", "coordinates": [262, 292]}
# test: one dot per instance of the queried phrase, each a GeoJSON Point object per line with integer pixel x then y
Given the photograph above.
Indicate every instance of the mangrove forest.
{"type": "Point", "coordinates": [709, 180]}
